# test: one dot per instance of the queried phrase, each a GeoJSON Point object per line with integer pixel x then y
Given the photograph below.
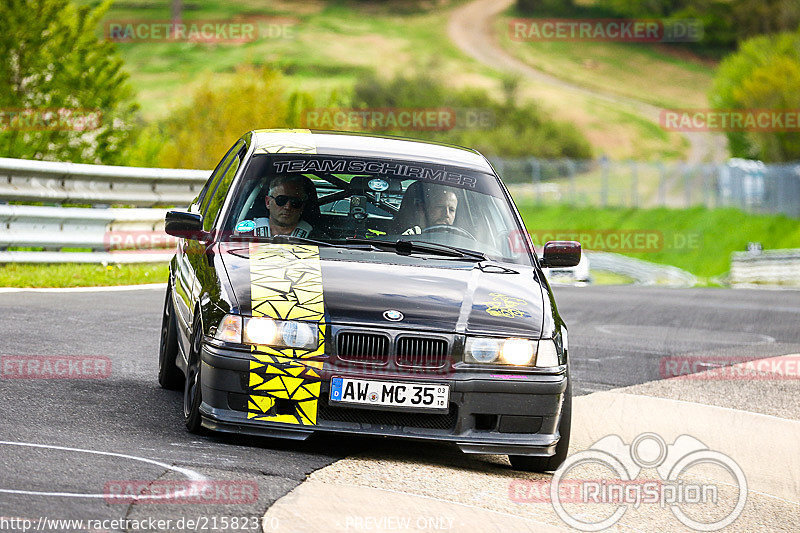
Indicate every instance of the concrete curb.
{"type": "Point", "coordinates": [764, 446]}
{"type": "Point", "coordinates": [317, 506]}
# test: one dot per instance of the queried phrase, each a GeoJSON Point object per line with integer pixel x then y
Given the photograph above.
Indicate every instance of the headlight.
{"type": "Point", "coordinates": [512, 351]}
{"type": "Point", "coordinates": [260, 331]}
{"type": "Point", "coordinates": [268, 332]}
{"type": "Point", "coordinates": [517, 351]}
{"type": "Point", "coordinates": [483, 350]}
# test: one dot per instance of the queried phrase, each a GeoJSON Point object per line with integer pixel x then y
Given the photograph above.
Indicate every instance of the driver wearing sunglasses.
{"type": "Point", "coordinates": [285, 202]}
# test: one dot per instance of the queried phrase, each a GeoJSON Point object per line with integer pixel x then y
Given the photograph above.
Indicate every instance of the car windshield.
{"type": "Point", "coordinates": [335, 199]}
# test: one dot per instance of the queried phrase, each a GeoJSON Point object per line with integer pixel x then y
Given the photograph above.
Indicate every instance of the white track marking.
{"type": "Point", "coordinates": [190, 474]}
{"type": "Point", "coordinates": [110, 288]}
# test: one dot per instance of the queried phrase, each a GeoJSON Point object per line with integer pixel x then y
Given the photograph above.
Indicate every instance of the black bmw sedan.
{"type": "Point", "coordinates": [333, 282]}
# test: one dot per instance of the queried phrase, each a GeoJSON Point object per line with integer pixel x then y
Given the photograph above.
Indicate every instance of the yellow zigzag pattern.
{"type": "Point", "coordinates": [286, 284]}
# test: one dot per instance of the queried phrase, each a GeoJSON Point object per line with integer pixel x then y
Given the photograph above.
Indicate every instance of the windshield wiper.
{"type": "Point", "coordinates": [407, 247]}
{"type": "Point", "coordinates": [292, 239]}
{"type": "Point", "coordinates": [285, 239]}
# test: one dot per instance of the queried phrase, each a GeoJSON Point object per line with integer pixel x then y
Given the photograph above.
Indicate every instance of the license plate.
{"type": "Point", "coordinates": [422, 396]}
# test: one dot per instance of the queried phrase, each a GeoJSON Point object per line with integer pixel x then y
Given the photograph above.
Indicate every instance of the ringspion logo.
{"type": "Point", "coordinates": [697, 500]}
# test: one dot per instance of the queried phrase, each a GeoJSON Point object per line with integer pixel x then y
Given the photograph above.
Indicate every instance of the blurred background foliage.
{"type": "Point", "coordinates": [50, 58]}
{"type": "Point", "coordinates": [217, 113]}
{"type": "Point", "coordinates": [200, 97]}
{"type": "Point", "coordinates": [763, 74]}
{"type": "Point", "coordinates": [725, 22]}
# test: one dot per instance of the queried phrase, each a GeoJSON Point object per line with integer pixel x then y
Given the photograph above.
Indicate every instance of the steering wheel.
{"type": "Point", "coordinates": [444, 228]}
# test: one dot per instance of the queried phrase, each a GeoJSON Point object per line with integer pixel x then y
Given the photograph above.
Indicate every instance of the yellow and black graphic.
{"type": "Point", "coordinates": [298, 141]}
{"type": "Point", "coordinates": [286, 284]}
{"type": "Point", "coordinates": [505, 306]}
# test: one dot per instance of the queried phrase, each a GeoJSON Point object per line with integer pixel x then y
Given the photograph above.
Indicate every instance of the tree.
{"type": "Point", "coordinates": [53, 65]}
{"type": "Point", "coordinates": [764, 74]}
{"type": "Point", "coordinates": [508, 128]}
{"type": "Point", "coordinates": [219, 112]}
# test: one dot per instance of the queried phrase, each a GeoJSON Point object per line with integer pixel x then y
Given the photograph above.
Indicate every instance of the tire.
{"type": "Point", "coordinates": [169, 375]}
{"type": "Point", "coordinates": [548, 464]}
{"type": "Point", "coordinates": [192, 393]}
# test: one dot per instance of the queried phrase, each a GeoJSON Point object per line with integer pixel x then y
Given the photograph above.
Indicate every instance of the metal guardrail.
{"type": "Point", "coordinates": [100, 228]}
{"type": "Point", "coordinates": [770, 267]}
{"type": "Point", "coordinates": [643, 272]}
{"type": "Point", "coordinates": [22, 180]}
{"type": "Point", "coordinates": [53, 228]}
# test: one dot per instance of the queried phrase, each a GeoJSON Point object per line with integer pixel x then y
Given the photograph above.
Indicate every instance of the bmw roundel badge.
{"type": "Point", "coordinates": [393, 315]}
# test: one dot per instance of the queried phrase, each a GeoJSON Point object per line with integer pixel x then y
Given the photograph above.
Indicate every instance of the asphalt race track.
{"type": "Point", "coordinates": [52, 430]}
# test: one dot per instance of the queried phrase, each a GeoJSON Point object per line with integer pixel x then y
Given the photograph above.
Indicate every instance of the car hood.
{"type": "Point", "coordinates": [356, 287]}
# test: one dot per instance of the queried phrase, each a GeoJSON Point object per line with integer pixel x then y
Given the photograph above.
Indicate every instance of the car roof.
{"type": "Point", "coordinates": [303, 141]}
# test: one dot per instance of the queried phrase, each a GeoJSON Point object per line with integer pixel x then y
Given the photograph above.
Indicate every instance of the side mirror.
{"type": "Point", "coordinates": [558, 254]}
{"type": "Point", "coordinates": [185, 225]}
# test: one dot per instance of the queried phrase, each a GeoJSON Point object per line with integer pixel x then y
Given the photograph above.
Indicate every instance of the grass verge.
{"type": "Point", "coordinates": [81, 275]}
{"type": "Point", "coordinates": [655, 73]}
{"type": "Point", "coordinates": [601, 277]}
{"type": "Point", "coordinates": [332, 45]}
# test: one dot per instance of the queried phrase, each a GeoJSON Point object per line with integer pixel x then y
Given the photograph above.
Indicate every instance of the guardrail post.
{"type": "Point", "coordinates": [536, 177]}
{"type": "Point", "coordinates": [570, 164]}
{"type": "Point", "coordinates": [687, 184]}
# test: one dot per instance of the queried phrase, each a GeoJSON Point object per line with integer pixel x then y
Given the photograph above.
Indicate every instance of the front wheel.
{"type": "Point", "coordinates": [548, 464]}
{"type": "Point", "coordinates": [169, 375]}
{"type": "Point", "coordinates": [192, 396]}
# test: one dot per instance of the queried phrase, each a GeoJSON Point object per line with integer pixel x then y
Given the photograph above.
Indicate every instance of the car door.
{"type": "Point", "coordinates": [186, 285]}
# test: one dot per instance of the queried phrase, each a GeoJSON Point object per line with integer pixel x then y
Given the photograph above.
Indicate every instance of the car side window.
{"type": "Point", "coordinates": [205, 195]}
{"type": "Point", "coordinates": [217, 197]}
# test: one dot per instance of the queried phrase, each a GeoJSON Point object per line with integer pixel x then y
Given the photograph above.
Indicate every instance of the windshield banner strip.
{"type": "Point", "coordinates": [286, 284]}
{"type": "Point", "coordinates": [388, 168]}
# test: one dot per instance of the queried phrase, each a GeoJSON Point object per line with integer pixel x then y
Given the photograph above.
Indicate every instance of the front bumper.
{"type": "Point", "coordinates": [490, 412]}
